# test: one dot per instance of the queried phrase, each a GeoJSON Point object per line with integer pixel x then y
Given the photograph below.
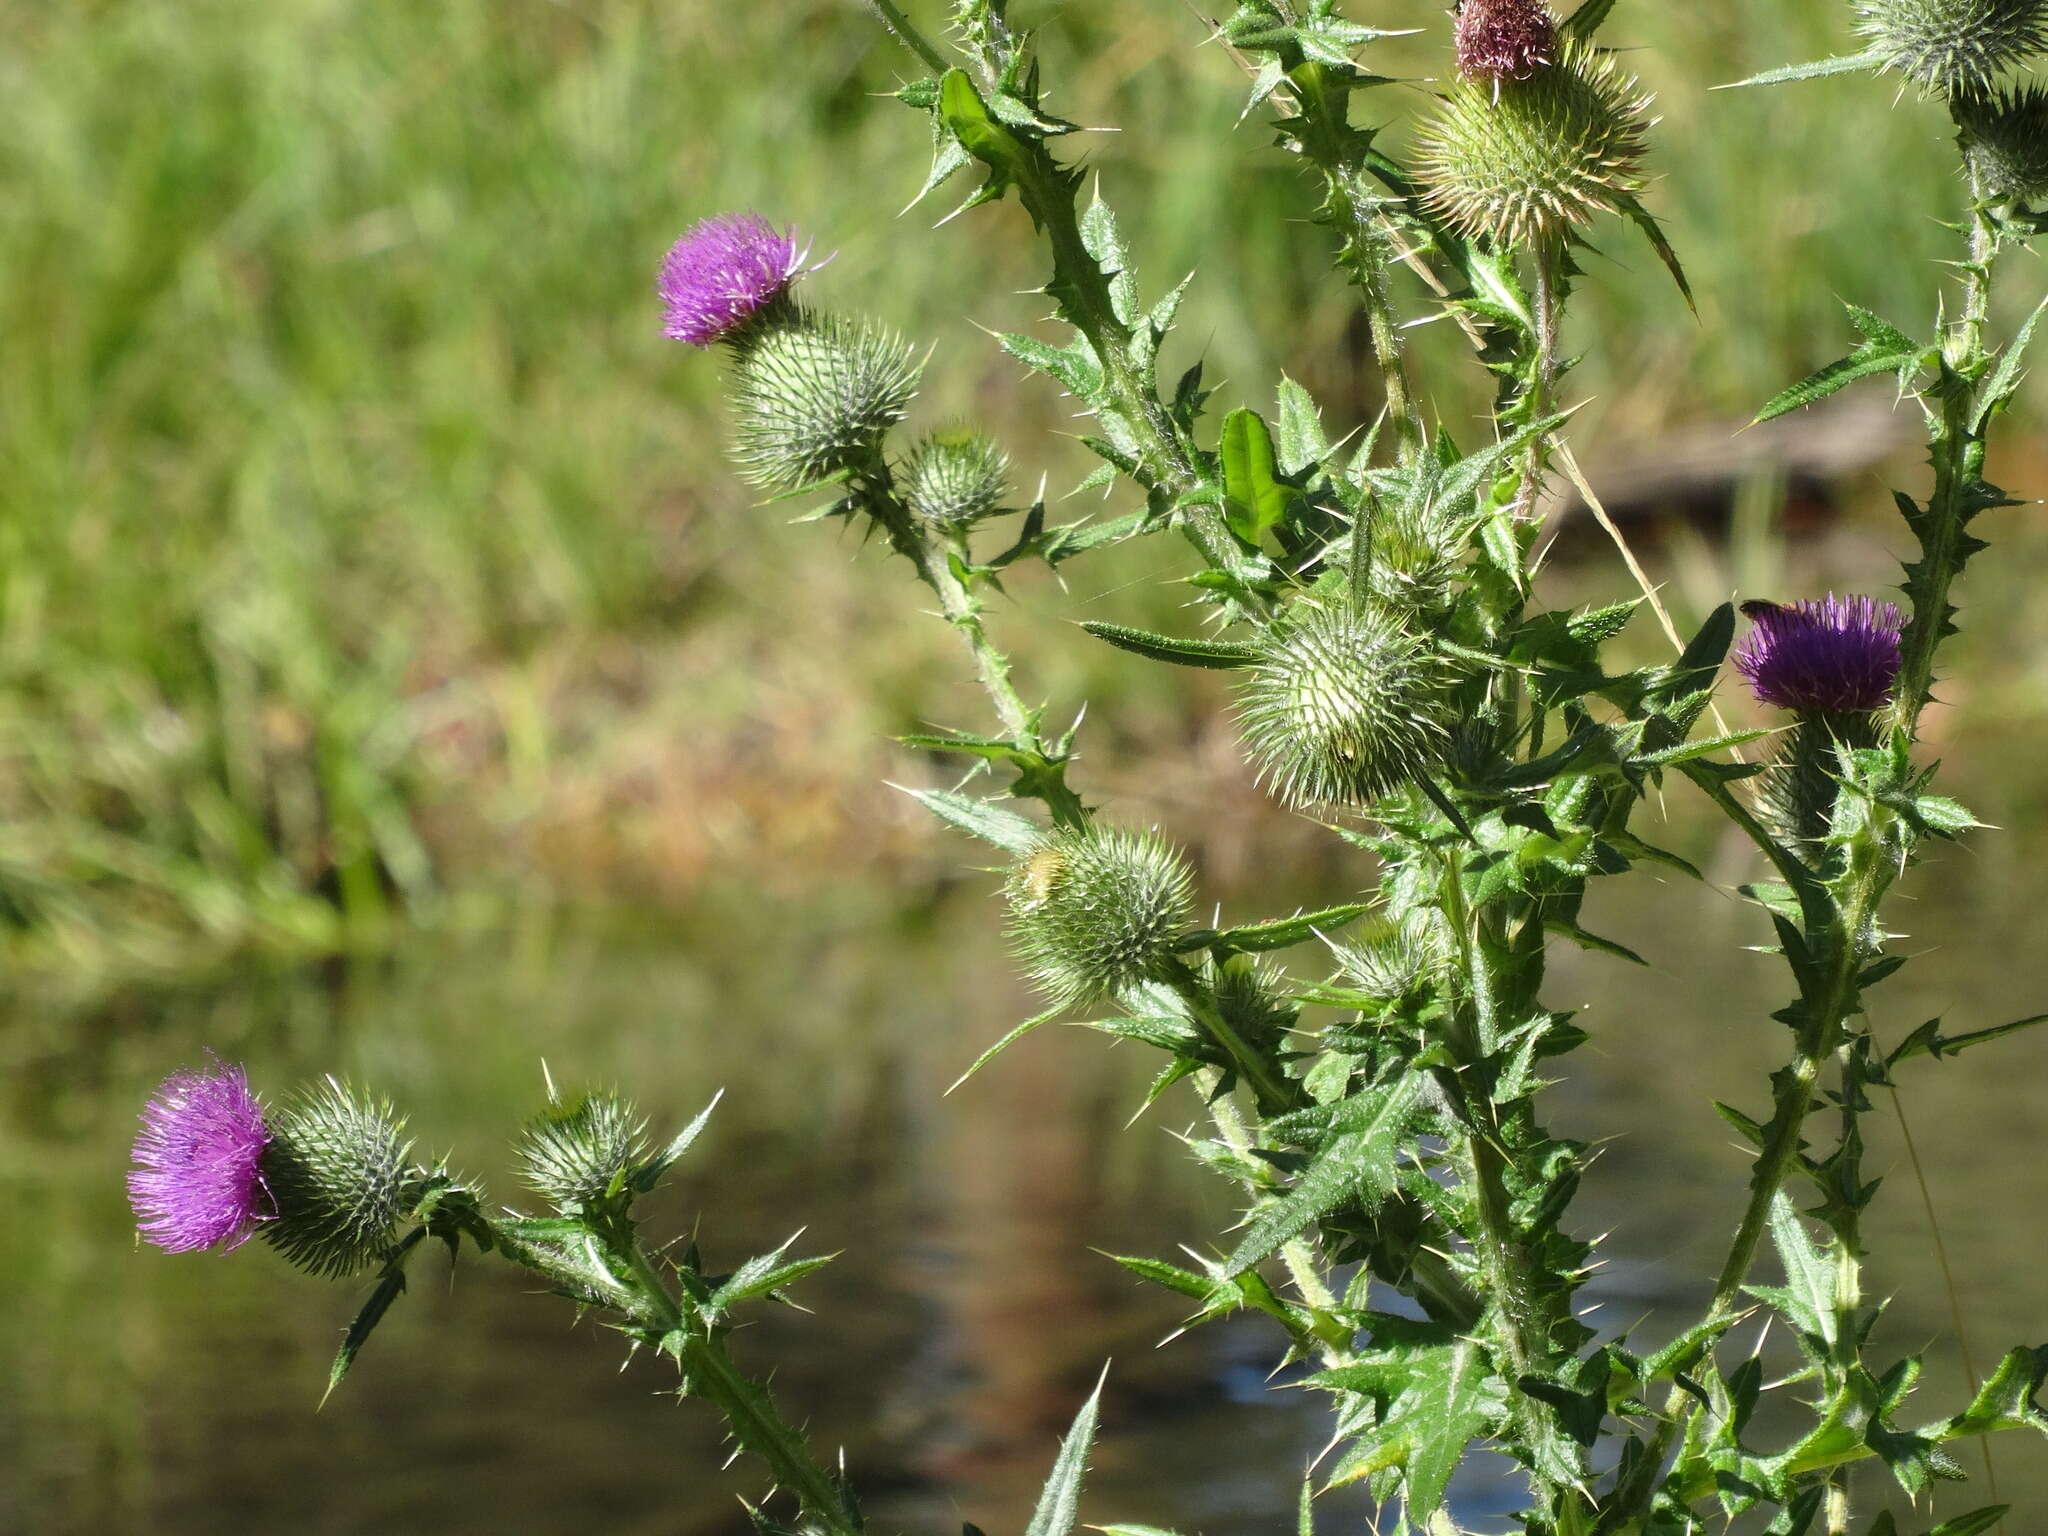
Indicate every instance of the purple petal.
{"type": "Point", "coordinates": [198, 1176]}
{"type": "Point", "coordinates": [723, 272]}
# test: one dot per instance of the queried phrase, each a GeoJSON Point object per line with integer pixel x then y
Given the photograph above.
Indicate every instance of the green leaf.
{"type": "Point", "coordinates": [1302, 444]}
{"type": "Point", "coordinates": [648, 1175]}
{"type": "Point", "coordinates": [1928, 1040]}
{"type": "Point", "coordinates": [1005, 1043]}
{"type": "Point", "coordinates": [1059, 1506]}
{"type": "Point", "coordinates": [2005, 379]}
{"type": "Point", "coordinates": [2006, 1401]}
{"type": "Point", "coordinates": [1006, 829]}
{"type": "Point", "coordinates": [1884, 349]}
{"type": "Point", "coordinates": [1218, 654]}
{"type": "Point", "coordinates": [762, 1275]}
{"type": "Point", "coordinates": [1586, 20]}
{"type": "Point", "coordinates": [1434, 1407]}
{"type": "Point", "coordinates": [1808, 1297]}
{"type": "Point", "coordinates": [1977, 1520]}
{"type": "Point", "coordinates": [1280, 933]}
{"type": "Point", "coordinates": [967, 115]}
{"type": "Point", "coordinates": [1358, 1167]}
{"type": "Point", "coordinates": [1644, 220]}
{"type": "Point", "coordinates": [1255, 502]}
{"type": "Point", "coordinates": [1841, 64]}
{"type": "Point", "coordinates": [390, 1286]}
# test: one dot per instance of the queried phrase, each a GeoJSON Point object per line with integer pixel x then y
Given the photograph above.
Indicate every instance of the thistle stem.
{"type": "Point", "coordinates": [747, 1407]}
{"type": "Point", "coordinates": [900, 27]}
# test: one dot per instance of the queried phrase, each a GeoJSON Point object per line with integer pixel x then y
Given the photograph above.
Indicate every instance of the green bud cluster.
{"type": "Point", "coordinates": [571, 1152]}
{"type": "Point", "coordinates": [813, 398]}
{"type": "Point", "coordinates": [1519, 162]}
{"type": "Point", "coordinates": [2005, 136]}
{"type": "Point", "coordinates": [1392, 961]}
{"type": "Point", "coordinates": [1956, 47]}
{"type": "Point", "coordinates": [337, 1171]}
{"type": "Point", "coordinates": [955, 476]}
{"type": "Point", "coordinates": [1093, 912]}
{"type": "Point", "coordinates": [1345, 705]}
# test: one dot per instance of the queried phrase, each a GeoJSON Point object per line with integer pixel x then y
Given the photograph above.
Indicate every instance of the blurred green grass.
{"type": "Point", "coordinates": [363, 546]}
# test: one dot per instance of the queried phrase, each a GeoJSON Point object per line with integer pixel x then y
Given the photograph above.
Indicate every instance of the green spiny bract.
{"type": "Point", "coordinates": [1093, 912]}
{"type": "Point", "coordinates": [1409, 566]}
{"type": "Point", "coordinates": [572, 1151]}
{"type": "Point", "coordinates": [814, 398]}
{"type": "Point", "coordinates": [337, 1173]}
{"type": "Point", "coordinates": [955, 476]}
{"type": "Point", "coordinates": [2005, 136]}
{"type": "Point", "coordinates": [1520, 162]}
{"type": "Point", "coordinates": [1955, 47]}
{"type": "Point", "coordinates": [1391, 961]}
{"type": "Point", "coordinates": [1343, 706]}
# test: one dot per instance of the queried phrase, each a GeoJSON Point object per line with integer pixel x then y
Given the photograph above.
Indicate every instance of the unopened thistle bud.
{"type": "Point", "coordinates": [1393, 960]}
{"type": "Point", "coordinates": [1344, 706]}
{"type": "Point", "coordinates": [572, 1151]}
{"type": "Point", "coordinates": [813, 398]}
{"type": "Point", "coordinates": [1954, 47]}
{"type": "Point", "coordinates": [2005, 136]}
{"type": "Point", "coordinates": [955, 476]}
{"type": "Point", "coordinates": [1505, 39]}
{"type": "Point", "coordinates": [1520, 161]}
{"type": "Point", "coordinates": [726, 276]}
{"type": "Point", "coordinates": [337, 1173]}
{"type": "Point", "coordinates": [1839, 656]}
{"type": "Point", "coordinates": [1093, 912]}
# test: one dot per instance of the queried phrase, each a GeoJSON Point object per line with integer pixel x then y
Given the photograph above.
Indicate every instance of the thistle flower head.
{"type": "Point", "coordinates": [722, 273]}
{"type": "Point", "coordinates": [572, 1151]}
{"type": "Point", "coordinates": [955, 476]}
{"type": "Point", "coordinates": [1837, 656]}
{"type": "Point", "coordinates": [198, 1176]}
{"type": "Point", "coordinates": [1389, 961]}
{"type": "Point", "coordinates": [813, 398]}
{"type": "Point", "coordinates": [1954, 47]}
{"type": "Point", "coordinates": [1343, 706]}
{"type": "Point", "coordinates": [2005, 135]}
{"type": "Point", "coordinates": [1093, 912]}
{"type": "Point", "coordinates": [1519, 161]}
{"type": "Point", "coordinates": [1505, 39]}
{"type": "Point", "coordinates": [337, 1171]}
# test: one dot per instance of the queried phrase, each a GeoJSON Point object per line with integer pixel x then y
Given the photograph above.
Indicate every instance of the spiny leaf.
{"type": "Point", "coordinates": [1219, 654]}
{"type": "Point", "coordinates": [1841, 64]}
{"type": "Point", "coordinates": [1006, 829]}
{"type": "Point", "coordinates": [1884, 349]}
{"type": "Point", "coordinates": [1928, 1040]}
{"type": "Point", "coordinates": [1280, 933]}
{"type": "Point", "coordinates": [1643, 219]}
{"type": "Point", "coordinates": [1005, 1043]}
{"type": "Point", "coordinates": [1059, 1506]}
{"type": "Point", "coordinates": [2005, 380]}
{"type": "Point", "coordinates": [1359, 1166]}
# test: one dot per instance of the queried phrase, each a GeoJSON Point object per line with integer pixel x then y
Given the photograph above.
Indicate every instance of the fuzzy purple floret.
{"type": "Point", "coordinates": [198, 1175]}
{"type": "Point", "coordinates": [722, 273]}
{"type": "Point", "coordinates": [1837, 656]}
{"type": "Point", "coordinates": [1505, 39]}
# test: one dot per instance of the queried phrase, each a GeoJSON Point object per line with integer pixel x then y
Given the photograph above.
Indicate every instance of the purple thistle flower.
{"type": "Point", "coordinates": [1505, 39]}
{"type": "Point", "coordinates": [198, 1175]}
{"type": "Point", "coordinates": [1837, 656]}
{"type": "Point", "coordinates": [723, 272]}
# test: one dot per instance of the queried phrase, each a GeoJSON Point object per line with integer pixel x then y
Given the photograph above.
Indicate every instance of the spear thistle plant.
{"type": "Point", "coordinates": [1408, 1225]}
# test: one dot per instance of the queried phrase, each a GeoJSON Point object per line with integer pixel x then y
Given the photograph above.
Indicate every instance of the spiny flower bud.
{"type": "Point", "coordinates": [1954, 47]}
{"type": "Point", "coordinates": [1392, 960]}
{"type": "Point", "coordinates": [572, 1151]}
{"type": "Point", "coordinates": [955, 476]}
{"type": "Point", "coordinates": [1519, 161]}
{"type": "Point", "coordinates": [1505, 39]}
{"type": "Point", "coordinates": [337, 1172]}
{"type": "Point", "coordinates": [1838, 656]}
{"type": "Point", "coordinates": [725, 273]}
{"type": "Point", "coordinates": [2006, 138]}
{"type": "Point", "coordinates": [1795, 794]}
{"type": "Point", "coordinates": [1343, 706]}
{"type": "Point", "coordinates": [1093, 912]}
{"type": "Point", "coordinates": [813, 398]}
